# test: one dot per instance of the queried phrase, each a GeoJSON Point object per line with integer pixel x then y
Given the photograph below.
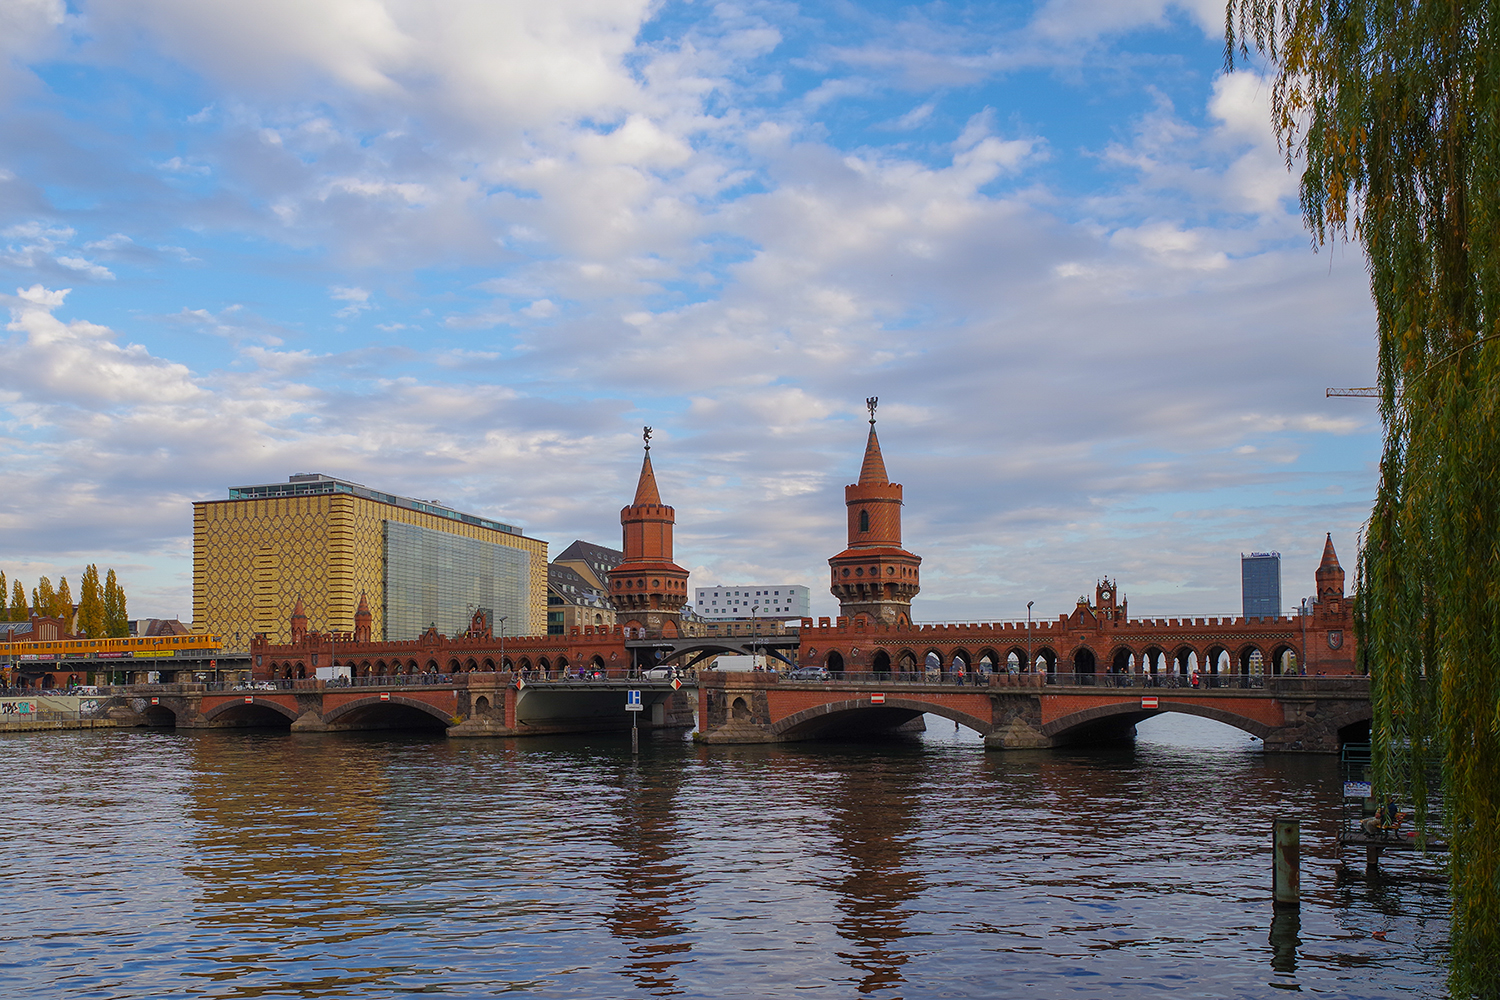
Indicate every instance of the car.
{"type": "Point", "coordinates": [808, 674]}
{"type": "Point", "coordinates": [660, 673]}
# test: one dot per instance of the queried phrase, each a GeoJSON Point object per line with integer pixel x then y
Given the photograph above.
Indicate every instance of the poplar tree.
{"type": "Point", "coordinates": [18, 610]}
{"type": "Point", "coordinates": [116, 619]}
{"type": "Point", "coordinates": [62, 603]}
{"type": "Point", "coordinates": [90, 604]}
{"type": "Point", "coordinates": [4, 589]}
{"type": "Point", "coordinates": [1393, 106]}
{"type": "Point", "coordinates": [43, 597]}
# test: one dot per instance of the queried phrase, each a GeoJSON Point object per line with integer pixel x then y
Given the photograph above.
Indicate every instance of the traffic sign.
{"type": "Point", "coordinates": [676, 684]}
{"type": "Point", "coordinates": [877, 699]}
{"type": "Point", "coordinates": [633, 701]}
{"type": "Point", "coordinates": [1150, 702]}
{"type": "Point", "coordinates": [520, 683]}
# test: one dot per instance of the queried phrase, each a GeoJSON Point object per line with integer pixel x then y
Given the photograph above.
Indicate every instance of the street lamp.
{"type": "Point", "coordinates": [501, 620]}
{"type": "Point", "coordinates": [753, 635]}
{"type": "Point", "coordinates": [1030, 660]}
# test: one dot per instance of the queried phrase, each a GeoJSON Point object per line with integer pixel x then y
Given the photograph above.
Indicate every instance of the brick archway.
{"type": "Point", "coordinates": [852, 706]}
{"type": "Point", "coordinates": [1059, 728]}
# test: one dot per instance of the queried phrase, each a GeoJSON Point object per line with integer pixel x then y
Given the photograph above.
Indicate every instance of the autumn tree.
{"type": "Point", "coordinates": [116, 618]}
{"type": "Point", "coordinates": [90, 604]}
{"type": "Point", "coordinates": [43, 596]}
{"type": "Point", "coordinates": [4, 609]}
{"type": "Point", "coordinates": [18, 610]}
{"type": "Point", "coordinates": [62, 604]}
{"type": "Point", "coordinates": [1393, 108]}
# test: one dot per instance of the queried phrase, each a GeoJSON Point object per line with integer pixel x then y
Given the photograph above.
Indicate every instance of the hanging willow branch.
{"type": "Point", "coordinates": [1393, 108]}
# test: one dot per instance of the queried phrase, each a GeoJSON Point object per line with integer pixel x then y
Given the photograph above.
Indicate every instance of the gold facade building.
{"type": "Point", "coordinates": [326, 541]}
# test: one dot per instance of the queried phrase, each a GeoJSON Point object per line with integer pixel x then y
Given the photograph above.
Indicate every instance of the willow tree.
{"type": "Point", "coordinates": [1393, 109]}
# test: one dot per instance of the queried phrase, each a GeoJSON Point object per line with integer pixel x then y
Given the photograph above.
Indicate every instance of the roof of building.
{"type": "Point", "coordinates": [873, 469]}
{"type": "Point", "coordinates": [304, 484]}
{"type": "Point", "coordinates": [569, 586]}
{"type": "Point", "coordinates": [646, 492]}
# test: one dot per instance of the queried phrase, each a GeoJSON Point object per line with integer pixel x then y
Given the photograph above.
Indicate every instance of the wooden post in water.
{"type": "Point", "coordinates": [1286, 865]}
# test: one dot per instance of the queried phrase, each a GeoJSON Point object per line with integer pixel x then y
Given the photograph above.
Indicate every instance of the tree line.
{"type": "Point", "coordinates": [100, 608]}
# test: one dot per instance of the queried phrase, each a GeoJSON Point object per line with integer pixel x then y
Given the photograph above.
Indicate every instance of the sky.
{"type": "Point", "coordinates": [464, 251]}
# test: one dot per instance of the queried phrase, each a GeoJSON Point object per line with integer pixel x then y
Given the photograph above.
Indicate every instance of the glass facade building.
{"type": "Point", "coordinates": [434, 578]}
{"type": "Point", "coordinates": [1260, 584]}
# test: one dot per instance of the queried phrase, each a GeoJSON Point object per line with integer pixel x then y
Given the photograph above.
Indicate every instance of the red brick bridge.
{"type": "Point", "coordinates": [1020, 711]}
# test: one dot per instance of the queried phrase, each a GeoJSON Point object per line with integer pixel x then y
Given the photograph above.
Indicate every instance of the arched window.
{"type": "Point", "coordinates": [864, 520]}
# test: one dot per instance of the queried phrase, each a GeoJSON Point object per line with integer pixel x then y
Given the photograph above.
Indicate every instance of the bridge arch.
{"type": "Point", "coordinates": [1247, 659]}
{"type": "Point", "coordinates": [1121, 660]}
{"type": "Point", "coordinates": [395, 712]}
{"type": "Point", "coordinates": [1084, 661]}
{"type": "Point", "coordinates": [251, 712]}
{"type": "Point", "coordinates": [880, 663]}
{"type": "Point", "coordinates": [836, 715]}
{"type": "Point", "coordinates": [1048, 656]}
{"type": "Point", "coordinates": [1109, 719]}
{"type": "Point", "coordinates": [1283, 659]}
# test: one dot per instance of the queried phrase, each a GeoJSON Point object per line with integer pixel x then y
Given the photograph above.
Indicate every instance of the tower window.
{"type": "Point", "coordinates": [864, 520]}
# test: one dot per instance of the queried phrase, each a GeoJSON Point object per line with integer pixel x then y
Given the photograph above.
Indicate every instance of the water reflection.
{"type": "Point", "coordinates": [652, 887]}
{"type": "Point", "coordinates": [874, 832]}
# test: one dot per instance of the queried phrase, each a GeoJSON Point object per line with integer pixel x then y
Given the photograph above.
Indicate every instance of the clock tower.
{"type": "Point", "coordinates": [874, 578]}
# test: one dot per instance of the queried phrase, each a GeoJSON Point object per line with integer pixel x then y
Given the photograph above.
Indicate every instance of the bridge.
{"type": "Point", "coordinates": [465, 704]}
{"type": "Point", "coordinates": [1011, 711]}
{"type": "Point", "coordinates": [1026, 711]}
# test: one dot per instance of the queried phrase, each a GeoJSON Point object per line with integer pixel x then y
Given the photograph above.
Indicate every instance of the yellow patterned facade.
{"type": "Point", "coordinates": [253, 559]}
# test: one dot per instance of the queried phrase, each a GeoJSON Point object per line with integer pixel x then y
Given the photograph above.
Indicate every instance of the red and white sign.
{"type": "Point", "coordinates": [676, 684]}
{"type": "Point", "coordinates": [385, 697]}
{"type": "Point", "coordinates": [877, 699]}
{"type": "Point", "coordinates": [1149, 702]}
{"type": "Point", "coordinates": [249, 701]}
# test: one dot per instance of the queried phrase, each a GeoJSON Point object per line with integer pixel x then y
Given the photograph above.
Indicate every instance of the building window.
{"type": "Point", "coordinates": [864, 520]}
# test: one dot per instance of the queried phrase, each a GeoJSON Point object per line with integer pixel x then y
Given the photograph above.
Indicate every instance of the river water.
{"type": "Point", "coordinates": [151, 863]}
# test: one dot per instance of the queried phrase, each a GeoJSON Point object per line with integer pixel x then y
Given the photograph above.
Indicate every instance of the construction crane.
{"type": "Point", "coordinates": [1366, 390]}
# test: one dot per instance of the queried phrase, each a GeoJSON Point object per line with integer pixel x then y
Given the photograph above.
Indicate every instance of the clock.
{"type": "Point", "coordinates": [1104, 595]}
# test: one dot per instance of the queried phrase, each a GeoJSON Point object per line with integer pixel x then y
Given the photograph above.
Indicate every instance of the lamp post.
{"type": "Point", "coordinates": [1030, 660]}
{"type": "Point", "coordinates": [501, 620]}
{"type": "Point", "coordinates": [754, 627]}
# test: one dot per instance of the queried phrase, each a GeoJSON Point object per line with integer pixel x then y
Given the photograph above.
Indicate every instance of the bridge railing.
{"type": "Point", "coordinates": [1205, 682]}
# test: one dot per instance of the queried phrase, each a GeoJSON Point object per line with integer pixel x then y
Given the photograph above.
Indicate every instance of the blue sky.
{"type": "Point", "coordinates": [465, 250]}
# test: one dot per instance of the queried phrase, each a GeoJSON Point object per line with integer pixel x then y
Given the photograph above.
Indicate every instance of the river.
{"type": "Point", "coordinates": [226, 864]}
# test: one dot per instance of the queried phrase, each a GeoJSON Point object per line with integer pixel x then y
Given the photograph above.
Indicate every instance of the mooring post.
{"type": "Point", "coordinates": [1286, 882]}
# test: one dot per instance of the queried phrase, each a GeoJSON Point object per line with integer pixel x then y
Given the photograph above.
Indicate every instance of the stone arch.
{"type": "Point", "coordinates": [932, 661]}
{"type": "Point", "coordinates": [433, 666]}
{"type": "Point", "coordinates": [1212, 662]}
{"type": "Point", "coordinates": [834, 662]}
{"type": "Point", "coordinates": [525, 663]}
{"type": "Point", "coordinates": [1115, 719]}
{"type": "Point", "coordinates": [1084, 661]}
{"type": "Point", "coordinates": [1017, 655]}
{"type": "Point", "coordinates": [562, 663]}
{"type": "Point", "coordinates": [454, 667]}
{"type": "Point", "coordinates": [1250, 657]}
{"type": "Point", "coordinates": [481, 705]}
{"type": "Point", "coordinates": [543, 664]}
{"type": "Point", "coordinates": [1283, 660]}
{"type": "Point", "coordinates": [906, 662]}
{"type": "Point", "coordinates": [1049, 659]}
{"type": "Point", "coordinates": [1121, 660]}
{"type": "Point", "coordinates": [963, 657]}
{"type": "Point", "coordinates": [880, 663]}
{"type": "Point", "coordinates": [808, 718]}
{"type": "Point", "coordinates": [1153, 660]}
{"type": "Point", "coordinates": [739, 709]}
{"type": "Point", "coordinates": [361, 705]}
{"type": "Point", "coordinates": [507, 664]}
{"type": "Point", "coordinates": [1184, 660]}
{"type": "Point", "coordinates": [160, 715]}
{"type": "Point", "coordinates": [248, 708]}
{"type": "Point", "coordinates": [471, 665]}
{"type": "Point", "coordinates": [989, 661]}
{"type": "Point", "coordinates": [597, 663]}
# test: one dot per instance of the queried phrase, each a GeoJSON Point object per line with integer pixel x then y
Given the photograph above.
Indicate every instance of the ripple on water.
{"type": "Point", "coordinates": [244, 864]}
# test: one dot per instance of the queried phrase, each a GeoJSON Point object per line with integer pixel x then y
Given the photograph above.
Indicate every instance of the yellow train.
{"type": "Point", "coordinates": [38, 653]}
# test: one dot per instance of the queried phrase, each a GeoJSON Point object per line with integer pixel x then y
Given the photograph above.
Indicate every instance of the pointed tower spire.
{"type": "Point", "coordinates": [875, 578]}
{"type": "Point", "coordinates": [645, 489]}
{"type": "Point", "coordinates": [648, 589]}
{"type": "Point", "coordinates": [872, 472]}
{"type": "Point", "coordinates": [1330, 575]}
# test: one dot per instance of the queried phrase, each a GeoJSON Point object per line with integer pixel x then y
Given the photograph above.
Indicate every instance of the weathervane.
{"type": "Point", "coordinates": [871, 403]}
{"type": "Point", "coordinates": [646, 436]}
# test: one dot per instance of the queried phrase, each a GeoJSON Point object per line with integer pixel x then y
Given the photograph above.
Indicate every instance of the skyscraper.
{"type": "Point", "coordinates": [1260, 584]}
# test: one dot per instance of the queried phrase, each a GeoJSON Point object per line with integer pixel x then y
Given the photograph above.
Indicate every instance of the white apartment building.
{"type": "Point", "coordinates": [753, 600]}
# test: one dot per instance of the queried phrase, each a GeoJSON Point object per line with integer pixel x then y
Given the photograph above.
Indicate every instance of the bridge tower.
{"type": "Point", "coordinates": [648, 589]}
{"type": "Point", "coordinates": [874, 578]}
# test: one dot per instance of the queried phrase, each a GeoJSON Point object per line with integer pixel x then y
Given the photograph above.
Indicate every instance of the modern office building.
{"type": "Point", "coordinates": [327, 541]}
{"type": "Point", "coordinates": [766, 600]}
{"type": "Point", "coordinates": [1260, 584]}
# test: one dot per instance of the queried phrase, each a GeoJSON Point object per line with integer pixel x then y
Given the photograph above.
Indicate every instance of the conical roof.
{"type": "Point", "coordinates": [364, 604]}
{"type": "Point", "coordinates": [873, 470]}
{"type": "Point", "coordinates": [645, 490]}
{"type": "Point", "coordinates": [297, 611]}
{"type": "Point", "coordinates": [1330, 557]}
